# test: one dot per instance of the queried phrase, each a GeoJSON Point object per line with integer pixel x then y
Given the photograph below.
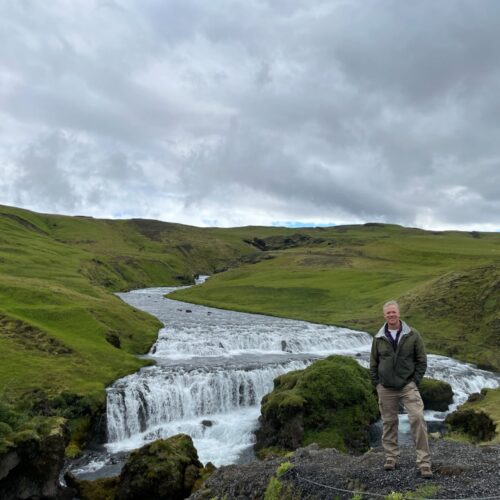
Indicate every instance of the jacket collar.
{"type": "Point", "coordinates": [405, 330]}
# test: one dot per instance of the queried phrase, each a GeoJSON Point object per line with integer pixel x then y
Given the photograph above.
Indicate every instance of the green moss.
{"type": "Point", "coordinates": [102, 489]}
{"type": "Point", "coordinates": [395, 496]}
{"type": "Point", "coordinates": [273, 490]}
{"type": "Point", "coordinates": [204, 474]}
{"type": "Point", "coordinates": [459, 437]}
{"type": "Point", "coordinates": [425, 491]}
{"type": "Point", "coordinates": [276, 490]}
{"type": "Point", "coordinates": [79, 430]}
{"type": "Point", "coordinates": [476, 424]}
{"type": "Point", "coordinates": [436, 394]}
{"type": "Point", "coordinates": [166, 467]}
{"type": "Point", "coordinates": [488, 402]}
{"type": "Point", "coordinates": [272, 451]}
{"type": "Point", "coordinates": [283, 467]}
{"type": "Point", "coordinates": [334, 400]}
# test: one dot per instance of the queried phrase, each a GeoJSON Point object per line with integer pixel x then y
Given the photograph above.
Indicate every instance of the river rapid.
{"type": "Point", "coordinates": [212, 369]}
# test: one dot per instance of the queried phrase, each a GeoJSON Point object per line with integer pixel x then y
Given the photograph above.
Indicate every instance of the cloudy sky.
{"type": "Point", "coordinates": [236, 112]}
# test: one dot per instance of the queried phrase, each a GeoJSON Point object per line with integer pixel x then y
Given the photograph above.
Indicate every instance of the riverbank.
{"type": "Point", "coordinates": [460, 471]}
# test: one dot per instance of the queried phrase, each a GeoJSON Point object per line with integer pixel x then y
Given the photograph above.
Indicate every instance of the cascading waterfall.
{"type": "Point", "coordinates": [240, 338]}
{"type": "Point", "coordinates": [213, 367]}
{"type": "Point", "coordinates": [159, 396]}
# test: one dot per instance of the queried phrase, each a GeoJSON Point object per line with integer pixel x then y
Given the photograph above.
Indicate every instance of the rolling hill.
{"type": "Point", "coordinates": [64, 335]}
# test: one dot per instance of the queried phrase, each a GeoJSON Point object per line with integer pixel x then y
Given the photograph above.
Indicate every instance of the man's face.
{"type": "Point", "coordinates": [391, 315]}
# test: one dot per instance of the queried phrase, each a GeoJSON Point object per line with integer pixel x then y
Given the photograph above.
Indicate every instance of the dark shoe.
{"type": "Point", "coordinates": [425, 472]}
{"type": "Point", "coordinates": [390, 464]}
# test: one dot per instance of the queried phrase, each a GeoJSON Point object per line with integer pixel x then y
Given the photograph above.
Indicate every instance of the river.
{"type": "Point", "coordinates": [212, 368]}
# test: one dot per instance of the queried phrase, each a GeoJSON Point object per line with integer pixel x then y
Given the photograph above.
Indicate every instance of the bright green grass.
{"type": "Point", "coordinates": [56, 277]}
{"type": "Point", "coordinates": [447, 285]}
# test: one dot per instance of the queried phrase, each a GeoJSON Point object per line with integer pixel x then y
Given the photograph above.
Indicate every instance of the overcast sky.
{"type": "Point", "coordinates": [244, 112]}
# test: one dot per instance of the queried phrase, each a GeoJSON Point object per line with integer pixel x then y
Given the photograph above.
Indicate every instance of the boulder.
{"type": "Point", "coordinates": [476, 424]}
{"type": "Point", "coordinates": [331, 403]}
{"type": "Point", "coordinates": [31, 466]}
{"type": "Point", "coordinates": [164, 469]}
{"type": "Point", "coordinates": [103, 489]}
{"type": "Point", "coordinates": [437, 395]}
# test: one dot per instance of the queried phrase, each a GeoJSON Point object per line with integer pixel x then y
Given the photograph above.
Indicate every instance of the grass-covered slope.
{"type": "Point", "coordinates": [61, 327]}
{"type": "Point", "coordinates": [448, 283]}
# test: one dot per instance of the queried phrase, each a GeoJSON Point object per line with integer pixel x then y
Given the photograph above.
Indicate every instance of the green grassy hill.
{"type": "Point", "coordinates": [447, 283]}
{"type": "Point", "coordinates": [57, 312]}
{"type": "Point", "coordinates": [64, 335]}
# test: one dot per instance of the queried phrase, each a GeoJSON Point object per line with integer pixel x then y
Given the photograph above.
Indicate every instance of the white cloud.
{"type": "Point", "coordinates": [253, 112]}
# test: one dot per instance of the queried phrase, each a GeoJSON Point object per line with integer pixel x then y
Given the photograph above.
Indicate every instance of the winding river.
{"type": "Point", "coordinates": [213, 367]}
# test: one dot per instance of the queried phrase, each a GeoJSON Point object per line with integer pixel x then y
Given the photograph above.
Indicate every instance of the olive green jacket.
{"type": "Point", "coordinates": [396, 368]}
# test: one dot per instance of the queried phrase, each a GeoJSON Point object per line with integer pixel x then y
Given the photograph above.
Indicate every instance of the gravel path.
{"type": "Point", "coordinates": [460, 471]}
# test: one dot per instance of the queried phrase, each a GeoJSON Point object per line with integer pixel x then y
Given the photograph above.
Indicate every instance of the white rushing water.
{"type": "Point", "coordinates": [214, 366]}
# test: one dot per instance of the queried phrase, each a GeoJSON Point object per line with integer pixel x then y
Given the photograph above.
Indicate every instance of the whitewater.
{"type": "Point", "coordinates": [212, 368]}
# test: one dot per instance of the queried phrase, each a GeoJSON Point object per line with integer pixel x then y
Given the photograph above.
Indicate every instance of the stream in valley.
{"type": "Point", "coordinates": [212, 369]}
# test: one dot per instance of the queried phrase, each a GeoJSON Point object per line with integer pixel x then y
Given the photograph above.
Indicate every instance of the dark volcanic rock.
{"type": "Point", "coordinates": [247, 481]}
{"type": "Point", "coordinates": [31, 469]}
{"type": "Point", "coordinates": [460, 471]}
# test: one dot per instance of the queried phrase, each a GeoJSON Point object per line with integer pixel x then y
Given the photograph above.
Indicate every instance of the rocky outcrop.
{"type": "Point", "coordinates": [30, 469]}
{"type": "Point", "coordinates": [476, 424]}
{"type": "Point", "coordinates": [331, 403]}
{"type": "Point", "coordinates": [165, 469]}
{"type": "Point", "coordinates": [477, 418]}
{"type": "Point", "coordinates": [437, 395]}
{"type": "Point", "coordinates": [460, 471]}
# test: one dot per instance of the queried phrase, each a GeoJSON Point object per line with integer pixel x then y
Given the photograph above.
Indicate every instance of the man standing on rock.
{"type": "Point", "coordinates": [397, 364]}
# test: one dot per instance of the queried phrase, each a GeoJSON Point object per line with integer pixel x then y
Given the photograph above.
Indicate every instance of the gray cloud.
{"type": "Point", "coordinates": [253, 112]}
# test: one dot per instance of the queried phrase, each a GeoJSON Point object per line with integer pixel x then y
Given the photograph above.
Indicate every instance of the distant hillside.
{"type": "Point", "coordinates": [448, 283]}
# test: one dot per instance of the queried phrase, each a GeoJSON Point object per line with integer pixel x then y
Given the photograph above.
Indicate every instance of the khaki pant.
{"type": "Point", "coordinates": [409, 396]}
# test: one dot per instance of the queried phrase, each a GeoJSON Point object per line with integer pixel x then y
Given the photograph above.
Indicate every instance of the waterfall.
{"type": "Point", "coordinates": [243, 338]}
{"type": "Point", "coordinates": [214, 366]}
{"type": "Point", "coordinates": [464, 378]}
{"type": "Point", "coordinates": [157, 396]}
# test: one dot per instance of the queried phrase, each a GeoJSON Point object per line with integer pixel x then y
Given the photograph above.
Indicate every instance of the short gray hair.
{"type": "Point", "coordinates": [390, 303]}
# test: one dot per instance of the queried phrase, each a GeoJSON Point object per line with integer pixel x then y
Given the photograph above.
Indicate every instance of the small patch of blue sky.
{"type": "Point", "coordinates": [297, 224]}
{"type": "Point", "coordinates": [210, 223]}
{"type": "Point", "coordinates": [127, 215]}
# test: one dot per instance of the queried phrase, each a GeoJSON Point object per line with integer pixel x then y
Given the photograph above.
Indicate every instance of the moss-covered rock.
{"type": "Point", "coordinates": [30, 466]}
{"type": "Point", "coordinates": [164, 469]}
{"type": "Point", "coordinates": [476, 424]}
{"type": "Point", "coordinates": [479, 417]}
{"type": "Point", "coordinates": [437, 395]}
{"type": "Point", "coordinates": [103, 489]}
{"type": "Point", "coordinates": [205, 473]}
{"type": "Point", "coordinates": [331, 402]}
